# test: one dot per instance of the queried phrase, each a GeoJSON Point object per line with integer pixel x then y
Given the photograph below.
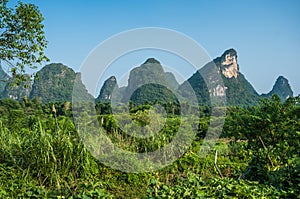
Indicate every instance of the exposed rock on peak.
{"type": "Point", "coordinates": [229, 65]}
{"type": "Point", "coordinates": [113, 78]}
{"type": "Point", "coordinates": [4, 77]}
{"type": "Point", "coordinates": [230, 51]}
{"type": "Point", "coordinates": [235, 87]}
{"type": "Point", "coordinates": [107, 89]}
{"type": "Point", "coordinates": [17, 92]}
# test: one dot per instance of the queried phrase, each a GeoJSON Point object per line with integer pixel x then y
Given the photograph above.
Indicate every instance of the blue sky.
{"type": "Point", "coordinates": [266, 34]}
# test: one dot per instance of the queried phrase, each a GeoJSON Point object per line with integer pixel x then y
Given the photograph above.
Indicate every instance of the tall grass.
{"type": "Point", "coordinates": [47, 159]}
{"type": "Point", "coordinates": [55, 158]}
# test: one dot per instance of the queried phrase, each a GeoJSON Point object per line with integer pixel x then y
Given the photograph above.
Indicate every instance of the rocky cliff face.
{"type": "Point", "coordinates": [150, 83]}
{"type": "Point", "coordinates": [237, 89]}
{"type": "Point", "coordinates": [281, 88]}
{"type": "Point", "coordinates": [149, 80]}
{"type": "Point", "coordinates": [109, 86]}
{"type": "Point", "coordinates": [229, 65]}
{"type": "Point", "coordinates": [17, 92]}
{"type": "Point", "coordinates": [3, 79]}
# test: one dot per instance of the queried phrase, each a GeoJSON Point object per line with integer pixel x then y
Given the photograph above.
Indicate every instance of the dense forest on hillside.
{"type": "Point", "coordinates": [57, 143]}
{"type": "Point", "coordinates": [42, 156]}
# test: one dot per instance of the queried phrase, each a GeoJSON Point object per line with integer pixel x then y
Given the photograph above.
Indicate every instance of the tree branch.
{"type": "Point", "coordinates": [216, 166]}
{"type": "Point", "coordinates": [262, 142]}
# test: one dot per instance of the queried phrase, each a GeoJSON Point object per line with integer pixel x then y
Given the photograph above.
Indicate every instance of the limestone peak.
{"type": "Point", "coordinates": [281, 88]}
{"type": "Point", "coordinates": [151, 61]}
{"type": "Point", "coordinates": [229, 65]}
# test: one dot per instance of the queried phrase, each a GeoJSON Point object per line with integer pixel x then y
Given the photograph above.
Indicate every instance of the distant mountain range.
{"type": "Point", "coordinates": [234, 85]}
{"type": "Point", "coordinates": [149, 83]}
{"type": "Point", "coordinates": [53, 83]}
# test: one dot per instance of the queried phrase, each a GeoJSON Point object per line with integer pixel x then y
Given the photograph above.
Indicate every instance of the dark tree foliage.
{"type": "Point", "coordinates": [156, 94]}
{"type": "Point", "coordinates": [272, 132]}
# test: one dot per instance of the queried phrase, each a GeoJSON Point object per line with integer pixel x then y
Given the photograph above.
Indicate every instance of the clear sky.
{"type": "Point", "coordinates": [265, 33]}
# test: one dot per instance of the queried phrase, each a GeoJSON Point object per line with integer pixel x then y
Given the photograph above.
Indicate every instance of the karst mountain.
{"type": "Point", "coordinates": [149, 83]}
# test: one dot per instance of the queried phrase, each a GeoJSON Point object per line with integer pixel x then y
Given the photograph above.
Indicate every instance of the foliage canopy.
{"type": "Point", "coordinates": [22, 39]}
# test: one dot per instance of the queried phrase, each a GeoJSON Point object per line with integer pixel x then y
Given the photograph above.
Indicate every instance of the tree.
{"type": "Point", "coordinates": [273, 132]}
{"type": "Point", "coordinates": [22, 39]}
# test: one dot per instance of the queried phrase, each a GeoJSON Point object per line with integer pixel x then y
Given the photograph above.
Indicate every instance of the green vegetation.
{"type": "Point", "coordinates": [22, 38]}
{"type": "Point", "coordinates": [42, 156]}
{"type": "Point", "coordinates": [159, 95]}
{"type": "Point", "coordinates": [150, 72]}
{"type": "Point", "coordinates": [42, 153]}
{"type": "Point", "coordinates": [55, 83]}
{"type": "Point", "coordinates": [110, 88]}
{"type": "Point", "coordinates": [17, 92]}
{"type": "Point", "coordinates": [239, 92]}
{"type": "Point", "coordinates": [147, 83]}
{"type": "Point", "coordinates": [172, 82]}
{"type": "Point", "coordinates": [281, 88]}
